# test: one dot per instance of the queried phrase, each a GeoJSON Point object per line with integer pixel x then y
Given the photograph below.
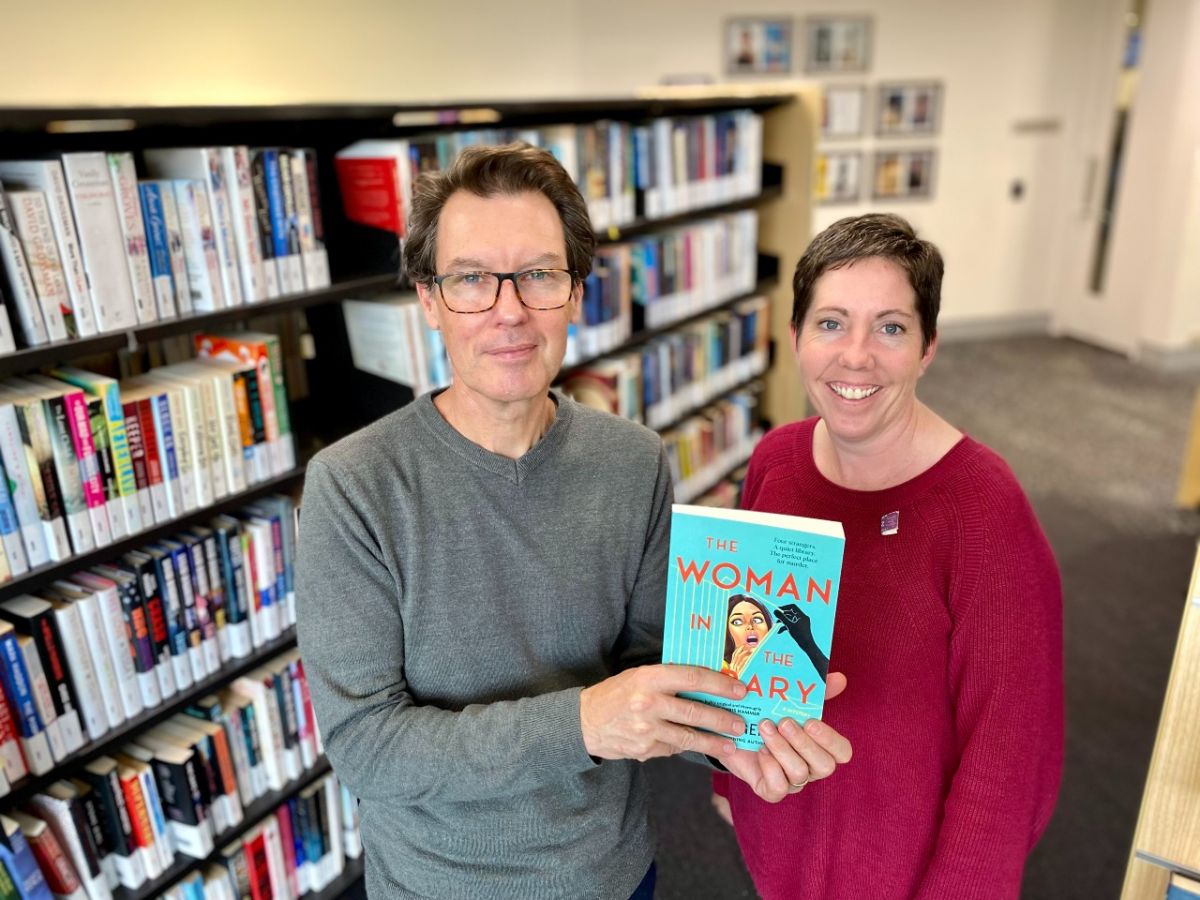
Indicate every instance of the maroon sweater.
{"type": "Point", "coordinates": [950, 634]}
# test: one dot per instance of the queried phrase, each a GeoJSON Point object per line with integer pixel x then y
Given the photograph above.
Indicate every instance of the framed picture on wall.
{"type": "Point", "coordinates": [758, 46]}
{"type": "Point", "coordinates": [843, 110]}
{"type": "Point", "coordinates": [912, 107]}
{"type": "Point", "coordinates": [904, 174]}
{"type": "Point", "coordinates": [839, 176]}
{"type": "Point", "coordinates": [837, 44]}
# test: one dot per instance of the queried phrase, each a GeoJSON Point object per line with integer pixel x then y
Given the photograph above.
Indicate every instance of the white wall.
{"type": "Point", "coordinates": [136, 52]}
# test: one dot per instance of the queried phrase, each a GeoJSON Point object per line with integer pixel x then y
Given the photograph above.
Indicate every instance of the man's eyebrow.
{"type": "Point", "coordinates": [474, 264]}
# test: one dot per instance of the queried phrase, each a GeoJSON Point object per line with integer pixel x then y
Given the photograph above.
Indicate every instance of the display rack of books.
{"type": "Point", "coordinates": [174, 346]}
{"type": "Point", "coordinates": [1166, 844]}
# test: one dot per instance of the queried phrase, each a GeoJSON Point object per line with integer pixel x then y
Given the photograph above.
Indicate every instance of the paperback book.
{"type": "Point", "coordinates": [753, 595]}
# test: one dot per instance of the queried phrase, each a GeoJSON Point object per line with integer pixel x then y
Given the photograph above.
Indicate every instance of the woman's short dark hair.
{"type": "Point", "coordinates": [490, 172]}
{"type": "Point", "coordinates": [860, 237]}
{"type": "Point", "coordinates": [734, 600]}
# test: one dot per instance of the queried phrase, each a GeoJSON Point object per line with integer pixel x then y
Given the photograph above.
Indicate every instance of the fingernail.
{"type": "Point", "coordinates": [814, 726]}
{"type": "Point", "coordinates": [766, 726]}
{"type": "Point", "coordinates": [730, 748]}
{"type": "Point", "coordinates": [788, 727]}
{"type": "Point", "coordinates": [739, 727]}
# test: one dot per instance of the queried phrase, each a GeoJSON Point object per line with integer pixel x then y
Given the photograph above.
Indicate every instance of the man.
{"type": "Point", "coordinates": [482, 577]}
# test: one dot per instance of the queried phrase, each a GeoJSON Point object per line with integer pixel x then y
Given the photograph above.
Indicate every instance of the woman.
{"type": "Point", "coordinates": [746, 625]}
{"type": "Point", "coordinates": [949, 622]}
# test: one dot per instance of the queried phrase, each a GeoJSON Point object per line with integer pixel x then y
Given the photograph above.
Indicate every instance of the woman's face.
{"type": "Point", "coordinates": [747, 625]}
{"type": "Point", "coordinates": [859, 349]}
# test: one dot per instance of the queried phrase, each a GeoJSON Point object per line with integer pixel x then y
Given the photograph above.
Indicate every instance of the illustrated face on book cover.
{"type": "Point", "coordinates": [748, 625]}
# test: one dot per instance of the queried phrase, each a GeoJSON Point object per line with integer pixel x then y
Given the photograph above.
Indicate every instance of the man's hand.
{"type": "Point", "coordinates": [636, 715]}
{"type": "Point", "coordinates": [792, 755]}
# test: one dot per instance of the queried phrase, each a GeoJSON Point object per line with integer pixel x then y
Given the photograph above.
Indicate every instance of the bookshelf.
{"type": "Point", "coordinates": [1167, 838]}
{"type": "Point", "coordinates": [363, 263]}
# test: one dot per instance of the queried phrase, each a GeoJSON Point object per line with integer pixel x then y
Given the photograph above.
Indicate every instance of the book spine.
{"type": "Point", "coordinates": [156, 616]}
{"type": "Point", "coordinates": [235, 163]}
{"type": "Point", "coordinates": [101, 441]}
{"type": "Point", "coordinates": [199, 247]}
{"type": "Point", "coordinates": [173, 229]}
{"type": "Point", "coordinates": [120, 650]}
{"type": "Point", "coordinates": [10, 525]}
{"type": "Point", "coordinates": [19, 469]}
{"type": "Point", "coordinates": [313, 192]}
{"type": "Point", "coordinates": [159, 248]}
{"type": "Point", "coordinates": [59, 873]}
{"type": "Point", "coordinates": [285, 242]}
{"type": "Point", "coordinates": [79, 421]}
{"type": "Point", "coordinates": [133, 233]}
{"type": "Point", "coordinates": [105, 667]}
{"type": "Point", "coordinates": [229, 547]}
{"type": "Point", "coordinates": [43, 628]}
{"type": "Point", "coordinates": [222, 221]}
{"type": "Point", "coordinates": [39, 686]}
{"type": "Point", "coordinates": [62, 217]}
{"type": "Point", "coordinates": [156, 474]}
{"type": "Point", "coordinates": [64, 468]}
{"type": "Point", "coordinates": [183, 429]}
{"type": "Point", "coordinates": [20, 280]}
{"type": "Point", "coordinates": [181, 560]}
{"type": "Point", "coordinates": [117, 828]}
{"type": "Point", "coordinates": [19, 693]}
{"type": "Point", "coordinates": [137, 464]}
{"type": "Point", "coordinates": [11, 756]}
{"type": "Point", "coordinates": [31, 215]}
{"type": "Point", "coordinates": [246, 427]}
{"type": "Point", "coordinates": [139, 816]}
{"type": "Point", "coordinates": [99, 228]}
{"type": "Point", "coordinates": [164, 433]}
{"type": "Point", "coordinates": [168, 590]}
{"type": "Point", "coordinates": [137, 626]}
{"type": "Point", "coordinates": [262, 210]}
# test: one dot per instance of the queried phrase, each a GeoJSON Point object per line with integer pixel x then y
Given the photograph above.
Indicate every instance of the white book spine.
{"type": "Point", "coordinates": [198, 247]}
{"type": "Point", "coordinates": [133, 233]}
{"type": "Point", "coordinates": [185, 453]}
{"type": "Point", "coordinates": [82, 671]}
{"type": "Point", "coordinates": [32, 217]}
{"type": "Point", "coordinates": [116, 638]}
{"type": "Point", "coordinates": [24, 294]}
{"type": "Point", "coordinates": [162, 838]}
{"type": "Point", "coordinates": [8, 341]}
{"type": "Point", "coordinates": [275, 866]}
{"type": "Point", "coordinates": [235, 162]}
{"type": "Point", "coordinates": [311, 259]}
{"type": "Point", "coordinates": [16, 466]}
{"type": "Point", "coordinates": [102, 247]}
{"type": "Point", "coordinates": [179, 266]}
{"type": "Point", "coordinates": [106, 673]}
{"type": "Point", "coordinates": [334, 859]}
{"type": "Point", "coordinates": [58, 817]}
{"type": "Point", "coordinates": [47, 176]}
{"type": "Point", "coordinates": [42, 698]}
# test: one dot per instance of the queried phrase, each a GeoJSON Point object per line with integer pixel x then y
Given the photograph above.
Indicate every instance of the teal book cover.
{"type": "Point", "coordinates": [754, 595]}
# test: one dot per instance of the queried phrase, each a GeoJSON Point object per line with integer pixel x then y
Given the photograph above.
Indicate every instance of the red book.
{"type": "Point", "coordinates": [12, 757]}
{"type": "Point", "coordinates": [60, 875]}
{"type": "Point", "coordinates": [137, 450]}
{"type": "Point", "coordinates": [255, 847]}
{"type": "Point", "coordinates": [145, 414]}
{"type": "Point", "coordinates": [371, 191]}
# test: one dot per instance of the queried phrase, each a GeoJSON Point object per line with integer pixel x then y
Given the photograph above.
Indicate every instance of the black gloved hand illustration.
{"type": "Point", "coordinates": [799, 626]}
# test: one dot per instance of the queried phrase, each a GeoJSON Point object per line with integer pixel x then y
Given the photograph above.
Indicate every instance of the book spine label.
{"type": "Point", "coordinates": [32, 218]}
{"type": "Point", "coordinates": [20, 280]}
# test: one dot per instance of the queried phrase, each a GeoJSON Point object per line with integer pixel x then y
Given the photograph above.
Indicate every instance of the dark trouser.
{"type": "Point", "coordinates": [645, 890]}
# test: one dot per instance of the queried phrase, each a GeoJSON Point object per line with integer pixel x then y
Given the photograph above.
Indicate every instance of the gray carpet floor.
{"type": "Point", "coordinates": [1097, 442]}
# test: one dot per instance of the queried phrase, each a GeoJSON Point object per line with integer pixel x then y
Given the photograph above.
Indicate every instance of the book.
{"type": "Point", "coordinates": [133, 233]}
{"type": "Point", "coordinates": [109, 609]}
{"type": "Point", "coordinates": [35, 618]}
{"type": "Point", "coordinates": [374, 177]}
{"type": "Point", "coordinates": [203, 164]}
{"type": "Point", "coordinates": [205, 291]}
{"type": "Point", "coordinates": [59, 872]}
{"type": "Point", "coordinates": [107, 391]}
{"type": "Point", "coordinates": [43, 700]}
{"type": "Point", "coordinates": [37, 451]}
{"type": "Point", "coordinates": [137, 629]}
{"type": "Point", "coordinates": [12, 759]}
{"type": "Point", "coordinates": [235, 165]}
{"type": "Point", "coordinates": [57, 806]}
{"type": "Point", "coordinates": [101, 244]}
{"type": "Point", "coordinates": [158, 246]}
{"type": "Point", "coordinates": [284, 229]}
{"type": "Point", "coordinates": [19, 470]}
{"type": "Point", "coordinates": [31, 213]}
{"type": "Point", "coordinates": [754, 595]}
{"type": "Point", "coordinates": [47, 176]}
{"type": "Point", "coordinates": [19, 693]}
{"type": "Point", "coordinates": [19, 282]}
{"type": "Point", "coordinates": [24, 868]}
{"type": "Point", "coordinates": [115, 823]}
{"type": "Point", "coordinates": [103, 665]}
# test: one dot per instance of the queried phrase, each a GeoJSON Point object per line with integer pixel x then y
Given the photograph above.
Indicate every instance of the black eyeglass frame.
{"type": "Point", "coordinates": [502, 277]}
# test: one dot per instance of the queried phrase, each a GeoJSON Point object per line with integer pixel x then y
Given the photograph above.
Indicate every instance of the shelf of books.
{"type": "Point", "coordinates": [1166, 844]}
{"type": "Point", "coordinates": [185, 291]}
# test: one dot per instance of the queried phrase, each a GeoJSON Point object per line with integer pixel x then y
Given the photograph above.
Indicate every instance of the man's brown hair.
{"type": "Point", "coordinates": [497, 171]}
{"type": "Point", "coordinates": [874, 235]}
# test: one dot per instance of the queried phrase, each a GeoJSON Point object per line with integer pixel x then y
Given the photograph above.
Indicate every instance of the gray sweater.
{"type": "Point", "coordinates": [452, 604]}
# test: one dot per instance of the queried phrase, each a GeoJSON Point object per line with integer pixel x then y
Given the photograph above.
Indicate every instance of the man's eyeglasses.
{"type": "Point", "coordinates": [477, 292]}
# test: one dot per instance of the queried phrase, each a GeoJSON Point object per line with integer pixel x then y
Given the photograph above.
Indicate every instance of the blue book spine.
{"type": "Point", "coordinates": [168, 588]}
{"type": "Point", "coordinates": [16, 685]}
{"type": "Point", "coordinates": [23, 868]}
{"type": "Point", "coordinates": [229, 552]}
{"type": "Point", "coordinates": [156, 231]}
{"type": "Point", "coordinates": [279, 229]}
{"type": "Point", "coordinates": [162, 420]}
{"type": "Point", "coordinates": [281, 579]}
{"type": "Point", "coordinates": [297, 834]}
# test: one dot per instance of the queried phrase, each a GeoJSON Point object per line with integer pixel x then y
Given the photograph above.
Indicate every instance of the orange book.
{"type": "Point", "coordinates": [139, 815]}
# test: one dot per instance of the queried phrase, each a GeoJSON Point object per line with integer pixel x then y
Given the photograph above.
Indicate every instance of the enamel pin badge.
{"type": "Point", "coordinates": [890, 524]}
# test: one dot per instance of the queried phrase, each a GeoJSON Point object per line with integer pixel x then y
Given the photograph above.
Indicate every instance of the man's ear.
{"type": "Point", "coordinates": [428, 302]}
{"type": "Point", "coordinates": [576, 302]}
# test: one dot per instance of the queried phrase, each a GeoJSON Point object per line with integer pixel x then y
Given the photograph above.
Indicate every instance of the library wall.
{"type": "Point", "coordinates": [134, 52]}
{"type": "Point", "coordinates": [1010, 74]}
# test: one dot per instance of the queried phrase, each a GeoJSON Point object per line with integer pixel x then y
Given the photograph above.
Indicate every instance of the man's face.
{"type": "Point", "coordinates": [510, 353]}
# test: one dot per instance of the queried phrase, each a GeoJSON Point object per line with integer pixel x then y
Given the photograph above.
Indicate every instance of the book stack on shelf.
{"type": "Point", "coordinates": [87, 248]}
